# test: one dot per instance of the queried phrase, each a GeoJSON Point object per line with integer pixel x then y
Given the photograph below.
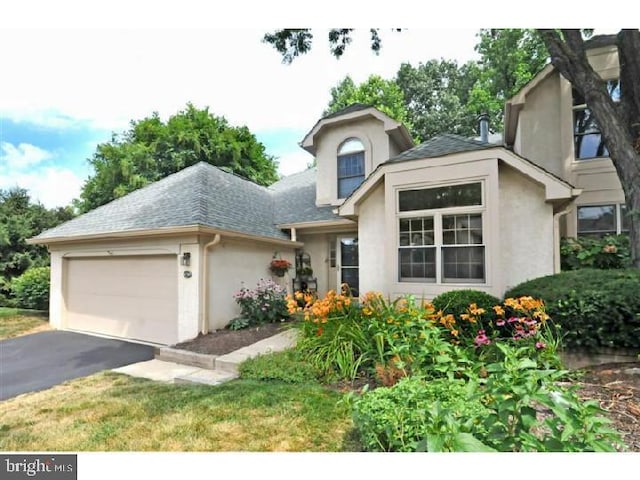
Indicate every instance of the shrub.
{"type": "Point", "coordinates": [417, 415]}
{"type": "Point", "coordinates": [456, 302]}
{"type": "Point", "coordinates": [31, 289]}
{"type": "Point", "coordinates": [611, 251]}
{"type": "Point", "coordinates": [595, 308]}
{"type": "Point", "coordinates": [264, 304]}
{"type": "Point", "coordinates": [287, 366]}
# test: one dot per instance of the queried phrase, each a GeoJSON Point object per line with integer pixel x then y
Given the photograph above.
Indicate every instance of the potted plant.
{"type": "Point", "coordinates": [279, 266]}
{"type": "Point", "coordinates": [305, 272]}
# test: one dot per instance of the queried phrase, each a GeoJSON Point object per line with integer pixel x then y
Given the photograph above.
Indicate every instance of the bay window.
{"type": "Point", "coordinates": [440, 234]}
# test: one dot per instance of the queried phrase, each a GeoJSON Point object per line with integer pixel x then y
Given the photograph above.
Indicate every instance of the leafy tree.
{"type": "Point", "coordinates": [619, 122]}
{"type": "Point", "coordinates": [509, 58]}
{"type": "Point", "coordinates": [152, 149]}
{"type": "Point", "coordinates": [21, 219]}
{"type": "Point", "coordinates": [436, 94]}
{"type": "Point", "coordinates": [383, 94]}
{"type": "Point", "coordinates": [293, 42]}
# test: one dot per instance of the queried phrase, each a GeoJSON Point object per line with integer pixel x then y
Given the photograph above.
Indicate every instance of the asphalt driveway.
{"type": "Point", "coordinates": [42, 360]}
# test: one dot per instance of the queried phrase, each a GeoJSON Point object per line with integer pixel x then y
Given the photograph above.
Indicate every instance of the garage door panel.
{"type": "Point", "coordinates": [130, 297]}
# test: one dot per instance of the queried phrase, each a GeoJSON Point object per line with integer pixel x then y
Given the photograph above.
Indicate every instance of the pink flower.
{"type": "Point", "coordinates": [500, 322]}
{"type": "Point", "coordinates": [541, 345]}
{"type": "Point", "coordinates": [512, 320]}
{"type": "Point", "coordinates": [481, 339]}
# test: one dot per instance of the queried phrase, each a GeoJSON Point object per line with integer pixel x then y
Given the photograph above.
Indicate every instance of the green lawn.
{"type": "Point", "coordinates": [15, 322]}
{"type": "Point", "coordinates": [114, 412]}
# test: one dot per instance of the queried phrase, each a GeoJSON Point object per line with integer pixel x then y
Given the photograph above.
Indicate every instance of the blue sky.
{"type": "Point", "coordinates": [67, 88]}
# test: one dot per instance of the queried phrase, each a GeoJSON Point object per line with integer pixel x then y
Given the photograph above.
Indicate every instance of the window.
{"type": "Point", "coordinates": [436, 240]}
{"type": "Point", "coordinates": [588, 142]}
{"type": "Point", "coordinates": [350, 166]}
{"type": "Point", "coordinates": [601, 220]}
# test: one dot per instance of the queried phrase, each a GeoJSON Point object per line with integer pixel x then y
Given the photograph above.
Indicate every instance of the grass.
{"type": "Point", "coordinates": [15, 322]}
{"type": "Point", "coordinates": [114, 412]}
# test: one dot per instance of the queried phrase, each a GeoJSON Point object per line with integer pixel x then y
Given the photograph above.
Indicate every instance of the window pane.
{"type": "Point", "coordinates": [404, 225]}
{"type": "Point", "coordinates": [599, 220]}
{"type": "Point", "coordinates": [590, 146]}
{"type": "Point", "coordinates": [625, 218]}
{"type": "Point", "coordinates": [350, 173]}
{"type": "Point", "coordinates": [462, 264]}
{"type": "Point", "coordinates": [441, 197]}
{"type": "Point", "coordinates": [587, 138]}
{"type": "Point", "coordinates": [351, 145]}
{"type": "Point", "coordinates": [463, 229]}
{"type": "Point", "coordinates": [347, 185]}
{"type": "Point", "coordinates": [417, 264]}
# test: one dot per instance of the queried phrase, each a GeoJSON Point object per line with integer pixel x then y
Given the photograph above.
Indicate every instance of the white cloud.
{"type": "Point", "coordinates": [108, 77]}
{"type": "Point", "coordinates": [293, 162]}
{"type": "Point", "coordinates": [53, 187]}
{"type": "Point", "coordinates": [22, 156]}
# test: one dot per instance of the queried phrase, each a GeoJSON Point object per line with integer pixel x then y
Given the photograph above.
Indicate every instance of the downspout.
{"type": "Point", "coordinates": [204, 324]}
{"type": "Point", "coordinates": [294, 235]}
{"type": "Point", "coordinates": [556, 239]}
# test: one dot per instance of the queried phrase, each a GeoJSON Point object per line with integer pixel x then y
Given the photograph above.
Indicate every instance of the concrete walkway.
{"type": "Point", "coordinates": [181, 366]}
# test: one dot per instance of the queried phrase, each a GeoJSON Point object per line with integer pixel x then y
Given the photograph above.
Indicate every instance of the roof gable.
{"type": "Point", "coordinates": [356, 111]}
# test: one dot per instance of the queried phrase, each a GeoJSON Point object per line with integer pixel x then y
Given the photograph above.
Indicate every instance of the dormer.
{"type": "Point", "coordinates": [350, 144]}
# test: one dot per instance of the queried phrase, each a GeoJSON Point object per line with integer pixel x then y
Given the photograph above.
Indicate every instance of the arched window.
{"type": "Point", "coordinates": [350, 166]}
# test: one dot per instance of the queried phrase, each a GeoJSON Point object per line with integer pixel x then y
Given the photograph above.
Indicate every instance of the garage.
{"type": "Point", "coordinates": [133, 297]}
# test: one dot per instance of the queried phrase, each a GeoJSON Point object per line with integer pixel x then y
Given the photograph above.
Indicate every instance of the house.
{"type": "Point", "coordinates": [379, 213]}
{"type": "Point", "coordinates": [549, 123]}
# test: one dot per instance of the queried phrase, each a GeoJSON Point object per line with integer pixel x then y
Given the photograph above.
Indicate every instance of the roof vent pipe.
{"type": "Point", "coordinates": [483, 122]}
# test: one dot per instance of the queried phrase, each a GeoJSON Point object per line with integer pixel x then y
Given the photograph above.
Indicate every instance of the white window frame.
{"type": "Point", "coordinates": [438, 244]}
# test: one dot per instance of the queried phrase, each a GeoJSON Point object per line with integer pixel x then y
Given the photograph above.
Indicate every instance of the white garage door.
{"type": "Point", "coordinates": [128, 297]}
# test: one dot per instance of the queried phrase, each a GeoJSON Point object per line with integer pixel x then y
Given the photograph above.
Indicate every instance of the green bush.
{"type": "Point", "coordinates": [515, 390]}
{"type": "Point", "coordinates": [288, 366]}
{"type": "Point", "coordinates": [456, 302]}
{"type": "Point", "coordinates": [416, 415]}
{"type": "Point", "coordinates": [595, 308]}
{"type": "Point", "coordinates": [31, 289]}
{"type": "Point", "coordinates": [611, 251]}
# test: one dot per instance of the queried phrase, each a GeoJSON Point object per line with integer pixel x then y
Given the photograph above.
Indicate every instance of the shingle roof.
{"type": "Point", "coordinates": [208, 196]}
{"type": "Point", "coordinates": [440, 145]}
{"type": "Point", "coordinates": [354, 107]}
{"type": "Point", "coordinates": [295, 199]}
{"type": "Point", "coordinates": [198, 195]}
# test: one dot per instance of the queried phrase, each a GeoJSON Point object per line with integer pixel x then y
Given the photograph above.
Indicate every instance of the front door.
{"type": "Point", "coordinates": [348, 263]}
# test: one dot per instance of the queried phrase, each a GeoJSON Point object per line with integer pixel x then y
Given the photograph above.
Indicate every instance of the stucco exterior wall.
{"type": "Point", "coordinates": [376, 143]}
{"type": "Point", "coordinates": [234, 264]}
{"type": "Point", "coordinates": [372, 240]}
{"type": "Point", "coordinates": [317, 246]}
{"type": "Point", "coordinates": [526, 229]}
{"type": "Point", "coordinates": [188, 288]}
{"type": "Point", "coordinates": [539, 135]}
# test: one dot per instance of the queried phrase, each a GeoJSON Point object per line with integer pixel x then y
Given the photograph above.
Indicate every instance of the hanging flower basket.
{"type": "Point", "coordinates": [279, 266]}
